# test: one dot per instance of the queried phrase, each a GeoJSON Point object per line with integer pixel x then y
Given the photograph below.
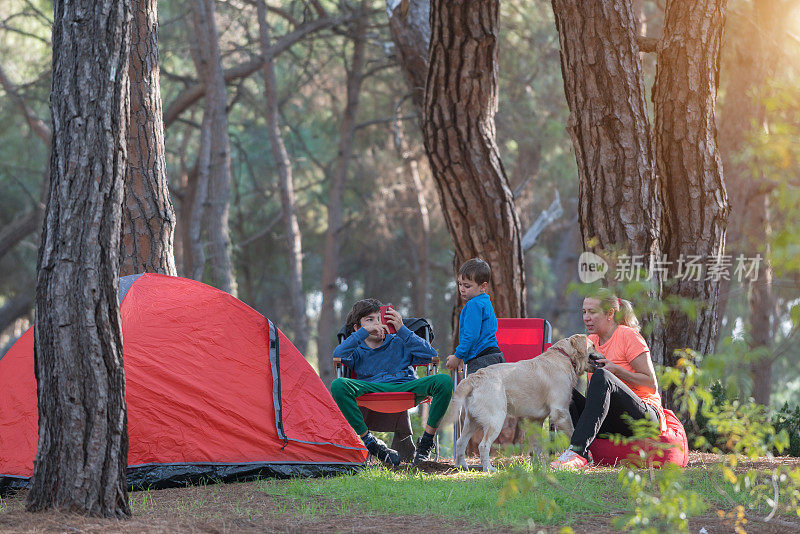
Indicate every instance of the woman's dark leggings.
{"type": "Point", "coordinates": [600, 412]}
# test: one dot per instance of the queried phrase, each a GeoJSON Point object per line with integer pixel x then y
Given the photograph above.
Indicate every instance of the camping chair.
{"type": "Point", "coordinates": [388, 412]}
{"type": "Point", "coordinates": [518, 339]}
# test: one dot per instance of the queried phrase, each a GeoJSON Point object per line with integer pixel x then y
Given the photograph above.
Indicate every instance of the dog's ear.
{"type": "Point", "coordinates": [580, 342]}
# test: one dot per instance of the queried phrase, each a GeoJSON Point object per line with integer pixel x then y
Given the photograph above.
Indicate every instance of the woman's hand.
{"type": "Point", "coordinates": [609, 366]}
{"type": "Point", "coordinates": [642, 375]}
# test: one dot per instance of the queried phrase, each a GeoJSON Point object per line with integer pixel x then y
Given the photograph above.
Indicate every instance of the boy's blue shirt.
{"type": "Point", "coordinates": [392, 362]}
{"type": "Point", "coordinates": [477, 327]}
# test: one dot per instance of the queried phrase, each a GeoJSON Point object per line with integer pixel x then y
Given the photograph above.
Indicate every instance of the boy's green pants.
{"type": "Point", "coordinates": [439, 386]}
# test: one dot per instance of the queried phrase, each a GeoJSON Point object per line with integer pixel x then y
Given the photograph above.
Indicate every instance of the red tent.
{"type": "Point", "coordinates": [214, 391]}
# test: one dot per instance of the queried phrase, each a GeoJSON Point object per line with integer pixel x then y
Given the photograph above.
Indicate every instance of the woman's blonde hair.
{"type": "Point", "coordinates": [623, 309]}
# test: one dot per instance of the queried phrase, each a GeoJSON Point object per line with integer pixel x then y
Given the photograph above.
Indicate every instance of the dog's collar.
{"type": "Point", "coordinates": [562, 351]}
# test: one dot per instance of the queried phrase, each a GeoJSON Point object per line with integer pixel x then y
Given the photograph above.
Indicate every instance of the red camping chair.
{"type": "Point", "coordinates": [392, 402]}
{"type": "Point", "coordinates": [518, 339]}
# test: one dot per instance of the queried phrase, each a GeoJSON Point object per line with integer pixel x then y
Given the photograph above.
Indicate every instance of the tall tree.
{"type": "Point", "coordinates": [418, 231]}
{"type": "Point", "coordinates": [286, 180]}
{"type": "Point", "coordinates": [459, 132]}
{"type": "Point", "coordinates": [409, 25]}
{"type": "Point", "coordinates": [210, 204]}
{"type": "Point", "coordinates": [148, 219]}
{"type": "Point", "coordinates": [659, 192]}
{"type": "Point", "coordinates": [83, 442]}
{"type": "Point", "coordinates": [754, 57]}
{"type": "Point", "coordinates": [695, 202]}
{"type": "Point", "coordinates": [608, 124]}
{"type": "Point", "coordinates": [337, 178]}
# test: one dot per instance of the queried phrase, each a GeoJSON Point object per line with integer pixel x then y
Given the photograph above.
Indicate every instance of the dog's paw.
{"type": "Point", "coordinates": [490, 469]}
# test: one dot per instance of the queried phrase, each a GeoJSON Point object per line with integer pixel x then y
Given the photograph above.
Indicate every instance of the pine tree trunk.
{"type": "Point", "coordinates": [754, 60]}
{"type": "Point", "coordinates": [330, 262]}
{"type": "Point", "coordinates": [459, 132]}
{"type": "Point", "coordinates": [420, 237]}
{"type": "Point", "coordinates": [763, 310]}
{"type": "Point", "coordinates": [409, 25]}
{"type": "Point", "coordinates": [619, 203]}
{"type": "Point", "coordinates": [148, 219]}
{"type": "Point", "coordinates": [689, 165]}
{"type": "Point", "coordinates": [739, 109]}
{"type": "Point", "coordinates": [769, 15]}
{"type": "Point", "coordinates": [83, 441]}
{"type": "Point", "coordinates": [211, 202]}
{"type": "Point", "coordinates": [187, 179]}
{"type": "Point", "coordinates": [284, 165]}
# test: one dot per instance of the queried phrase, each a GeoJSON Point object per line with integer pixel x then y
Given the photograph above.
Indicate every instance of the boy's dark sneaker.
{"type": "Point", "coordinates": [424, 448]}
{"type": "Point", "coordinates": [379, 450]}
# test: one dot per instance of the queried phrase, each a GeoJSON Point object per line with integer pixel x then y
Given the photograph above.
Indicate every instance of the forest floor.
{"type": "Point", "coordinates": [274, 506]}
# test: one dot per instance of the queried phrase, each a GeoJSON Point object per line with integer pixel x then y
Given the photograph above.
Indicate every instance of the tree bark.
{"type": "Point", "coordinates": [459, 132]}
{"type": "Point", "coordinates": [186, 186]}
{"type": "Point", "coordinates": [409, 25]}
{"type": "Point", "coordinates": [83, 441]}
{"type": "Point", "coordinates": [696, 208]}
{"type": "Point", "coordinates": [286, 179]}
{"type": "Point", "coordinates": [417, 232]}
{"type": "Point", "coordinates": [619, 205]}
{"type": "Point", "coordinates": [148, 219]}
{"type": "Point", "coordinates": [330, 262]}
{"type": "Point", "coordinates": [211, 204]}
{"type": "Point", "coordinates": [562, 309]}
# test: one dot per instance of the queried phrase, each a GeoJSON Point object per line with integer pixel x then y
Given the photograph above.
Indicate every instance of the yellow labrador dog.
{"type": "Point", "coordinates": [533, 389]}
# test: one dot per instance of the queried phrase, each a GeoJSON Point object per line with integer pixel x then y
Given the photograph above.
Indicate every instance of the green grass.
{"type": "Point", "coordinates": [468, 496]}
{"type": "Point", "coordinates": [475, 497]}
{"type": "Point", "coordinates": [457, 498]}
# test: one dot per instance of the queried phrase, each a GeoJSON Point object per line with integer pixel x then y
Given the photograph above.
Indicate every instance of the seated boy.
{"type": "Point", "coordinates": [384, 362]}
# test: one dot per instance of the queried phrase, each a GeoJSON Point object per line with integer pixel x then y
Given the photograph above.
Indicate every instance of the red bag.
{"type": "Point", "coordinates": [605, 452]}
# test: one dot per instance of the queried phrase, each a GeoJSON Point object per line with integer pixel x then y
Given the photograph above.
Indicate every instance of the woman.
{"type": "Point", "coordinates": [624, 383]}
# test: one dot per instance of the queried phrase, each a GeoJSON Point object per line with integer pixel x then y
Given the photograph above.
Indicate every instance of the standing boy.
{"type": "Point", "coordinates": [477, 326]}
{"type": "Point", "coordinates": [385, 362]}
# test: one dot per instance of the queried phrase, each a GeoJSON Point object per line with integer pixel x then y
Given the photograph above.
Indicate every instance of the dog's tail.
{"type": "Point", "coordinates": [457, 401]}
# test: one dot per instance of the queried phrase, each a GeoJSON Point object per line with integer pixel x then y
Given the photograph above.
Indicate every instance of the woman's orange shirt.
{"type": "Point", "coordinates": [622, 348]}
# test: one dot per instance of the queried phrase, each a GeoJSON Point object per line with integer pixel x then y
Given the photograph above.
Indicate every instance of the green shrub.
{"type": "Point", "coordinates": [789, 420]}
{"type": "Point", "coordinates": [716, 419]}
